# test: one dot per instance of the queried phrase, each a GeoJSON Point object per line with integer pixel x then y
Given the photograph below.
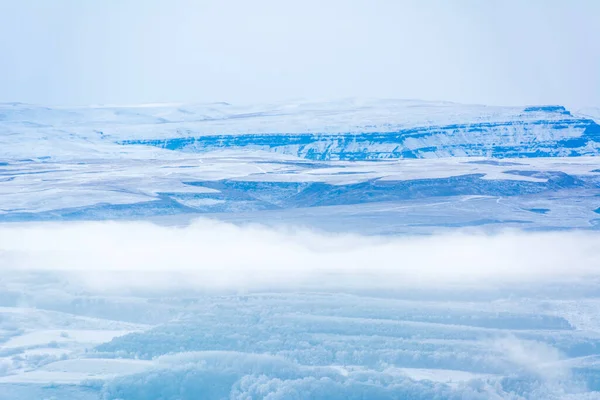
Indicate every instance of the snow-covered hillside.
{"type": "Point", "coordinates": [282, 162]}
{"type": "Point", "coordinates": [346, 250]}
{"type": "Point", "coordinates": [346, 130]}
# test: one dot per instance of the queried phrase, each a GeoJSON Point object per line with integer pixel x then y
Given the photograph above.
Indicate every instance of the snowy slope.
{"type": "Point", "coordinates": [376, 197]}
{"type": "Point", "coordinates": [244, 163]}
{"type": "Point", "coordinates": [329, 267]}
{"type": "Point", "coordinates": [347, 130]}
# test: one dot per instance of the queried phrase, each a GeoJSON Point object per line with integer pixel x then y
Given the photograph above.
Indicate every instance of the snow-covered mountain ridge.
{"type": "Point", "coordinates": [345, 130]}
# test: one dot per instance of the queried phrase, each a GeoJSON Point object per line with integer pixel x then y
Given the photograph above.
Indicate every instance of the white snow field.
{"type": "Point", "coordinates": [378, 249]}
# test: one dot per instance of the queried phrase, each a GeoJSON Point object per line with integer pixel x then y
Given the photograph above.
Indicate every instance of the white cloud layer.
{"type": "Point", "coordinates": [214, 255]}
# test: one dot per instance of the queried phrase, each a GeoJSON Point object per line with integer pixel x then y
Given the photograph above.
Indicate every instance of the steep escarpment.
{"type": "Point", "coordinates": [569, 137]}
{"type": "Point", "coordinates": [347, 130]}
{"type": "Point", "coordinates": [544, 131]}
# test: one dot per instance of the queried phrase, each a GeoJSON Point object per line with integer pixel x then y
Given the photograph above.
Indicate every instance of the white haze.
{"type": "Point", "coordinates": [214, 255]}
{"type": "Point", "coordinates": [501, 52]}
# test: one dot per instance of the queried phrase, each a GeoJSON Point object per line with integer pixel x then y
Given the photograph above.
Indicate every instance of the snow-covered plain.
{"type": "Point", "coordinates": [352, 250]}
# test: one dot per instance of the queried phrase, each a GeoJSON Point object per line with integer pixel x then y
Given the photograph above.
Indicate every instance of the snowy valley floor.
{"type": "Point", "coordinates": [123, 310]}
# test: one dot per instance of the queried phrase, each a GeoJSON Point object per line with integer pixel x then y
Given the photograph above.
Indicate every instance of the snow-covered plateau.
{"type": "Point", "coordinates": [379, 249]}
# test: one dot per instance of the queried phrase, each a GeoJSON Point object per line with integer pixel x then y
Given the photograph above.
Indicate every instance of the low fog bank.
{"type": "Point", "coordinates": [214, 255]}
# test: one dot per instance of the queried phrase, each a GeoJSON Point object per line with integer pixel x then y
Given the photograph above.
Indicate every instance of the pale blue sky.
{"type": "Point", "coordinates": [73, 52]}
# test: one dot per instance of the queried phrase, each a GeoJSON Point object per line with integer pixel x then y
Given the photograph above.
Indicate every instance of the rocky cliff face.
{"type": "Point", "coordinates": [347, 130]}
{"type": "Point", "coordinates": [550, 131]}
